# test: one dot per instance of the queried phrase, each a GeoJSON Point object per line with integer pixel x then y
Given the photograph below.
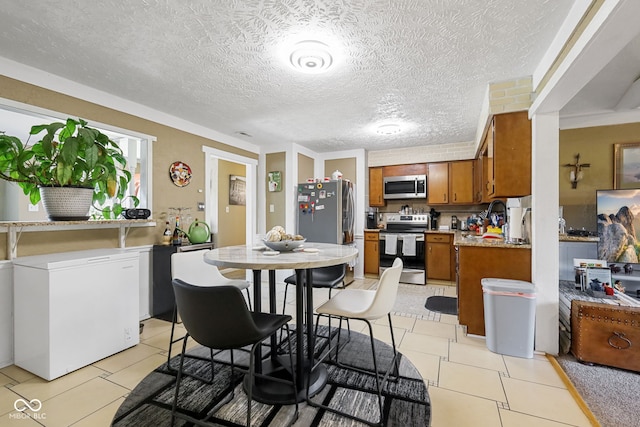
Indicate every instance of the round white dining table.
{"type": "Point", "coordinates": [303, 261]}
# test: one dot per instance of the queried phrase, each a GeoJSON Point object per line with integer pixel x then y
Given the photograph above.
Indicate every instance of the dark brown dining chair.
{"type": "Point", "coordinates": [217, 317]}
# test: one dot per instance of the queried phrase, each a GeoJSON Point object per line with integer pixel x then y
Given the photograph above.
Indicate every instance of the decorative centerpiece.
{"type": "Point", "coordinates": [279, 240]}
{"type": "Point", "coordinates": [70, 168]}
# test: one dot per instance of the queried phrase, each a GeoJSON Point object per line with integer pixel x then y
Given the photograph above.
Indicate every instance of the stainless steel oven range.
{"type": "Point", "coordinates": [404, 238]}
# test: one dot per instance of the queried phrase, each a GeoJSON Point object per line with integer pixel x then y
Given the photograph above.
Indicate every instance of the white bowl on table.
{"type": "Point", "coordinates": [284, 245]}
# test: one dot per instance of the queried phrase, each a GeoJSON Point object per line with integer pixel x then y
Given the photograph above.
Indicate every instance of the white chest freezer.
{"type": "Point", "coordinates": [74, 308]}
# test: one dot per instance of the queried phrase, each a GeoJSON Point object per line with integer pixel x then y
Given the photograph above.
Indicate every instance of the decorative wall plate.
{"type": "Point", "coordinates": [180, 173]}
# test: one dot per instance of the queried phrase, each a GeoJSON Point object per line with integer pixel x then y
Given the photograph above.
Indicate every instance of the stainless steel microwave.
{"type": "Point", "coordinates": [405, 187]}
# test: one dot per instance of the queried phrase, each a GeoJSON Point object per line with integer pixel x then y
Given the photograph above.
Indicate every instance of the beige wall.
{"type": "Point", "coordinates": [171, 145]}
{"type": "Point", "coordinates": [231, 218]}
{"type": "Point", "coordinates": [305, 168]}
{"type": "Point", "coordinates": [595, 145]}
{"type": "Point", "coordinates": [347, 166]}
{"type": "Point", "coordinates": [275, 162]}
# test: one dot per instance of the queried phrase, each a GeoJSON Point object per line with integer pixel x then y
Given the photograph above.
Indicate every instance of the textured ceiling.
{"type": "Point", "coordinates": [222, 63]}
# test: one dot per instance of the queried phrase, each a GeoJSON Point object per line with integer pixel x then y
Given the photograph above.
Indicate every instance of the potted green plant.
{"type": "Point", "coordinates": [69, 158]}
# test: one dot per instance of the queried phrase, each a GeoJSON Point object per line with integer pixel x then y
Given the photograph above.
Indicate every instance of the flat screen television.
{"type": "Point", "coordinates": [618, 220]}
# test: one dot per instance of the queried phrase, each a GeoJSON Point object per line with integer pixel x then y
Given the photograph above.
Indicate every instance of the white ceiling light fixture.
{"type": "Point", "coordinates": [311, 56]}
{"type": "Point", "coordinates": [388, 129]}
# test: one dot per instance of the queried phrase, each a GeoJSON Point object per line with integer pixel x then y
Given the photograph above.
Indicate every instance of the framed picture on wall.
{"type": "Point", "coordinates": [237, 190]}
{"type": "Point", "coordinates": [275, 181]}
{"type": "Point", "coordinates": [626, 165]}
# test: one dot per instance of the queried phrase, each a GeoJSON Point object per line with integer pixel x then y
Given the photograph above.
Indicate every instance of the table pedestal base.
{"type": "Point", "coordinates": [275, 392]}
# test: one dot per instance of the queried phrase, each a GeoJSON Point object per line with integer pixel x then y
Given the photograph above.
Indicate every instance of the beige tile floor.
{"type": "Point", "coordinates": [468, 385]}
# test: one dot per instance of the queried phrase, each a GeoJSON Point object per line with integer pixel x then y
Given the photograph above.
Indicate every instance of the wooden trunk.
{"type": "Point", "coordinates": [606, 334]}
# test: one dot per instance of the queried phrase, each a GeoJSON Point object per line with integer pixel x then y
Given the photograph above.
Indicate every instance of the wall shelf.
{"type": "Point", "coordinates": [14, 229]}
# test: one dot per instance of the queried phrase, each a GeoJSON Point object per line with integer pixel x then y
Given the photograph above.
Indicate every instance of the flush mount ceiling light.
{"type": "Point", "coordinates": [388, 129]}
{"type": "Point", "coordinates": [311, 57]}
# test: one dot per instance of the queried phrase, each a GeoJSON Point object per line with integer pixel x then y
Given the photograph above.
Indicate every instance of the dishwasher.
{"type": "Point", "coordinates": [74, 308]}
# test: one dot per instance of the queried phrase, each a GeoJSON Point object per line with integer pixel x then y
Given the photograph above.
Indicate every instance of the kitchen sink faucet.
{"type": "Point", "coordinates": [491, 207]}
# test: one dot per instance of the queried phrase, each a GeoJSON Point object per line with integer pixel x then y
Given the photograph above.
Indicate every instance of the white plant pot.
{"type": "Point", "coordinates": [67, 203]}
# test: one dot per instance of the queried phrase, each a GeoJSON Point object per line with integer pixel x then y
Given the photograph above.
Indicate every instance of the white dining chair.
{"type": "Point", "coordinates": [190, 267]}
{"type": "Point", "coordinates": [366, 305]}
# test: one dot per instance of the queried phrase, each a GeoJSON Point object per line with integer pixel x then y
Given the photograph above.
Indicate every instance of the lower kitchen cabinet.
{"type": "Point", "coordinates": [478, 262]}
{"type": "Point", "coordinates": [439, 256]}
{"type": "Point", "coordinates": [371, 252]}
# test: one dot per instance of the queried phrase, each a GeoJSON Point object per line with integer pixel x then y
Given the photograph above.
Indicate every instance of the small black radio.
{"type": "Point", "coordinates": [136, 213]}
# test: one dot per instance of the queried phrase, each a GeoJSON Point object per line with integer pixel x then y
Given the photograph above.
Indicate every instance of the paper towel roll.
{"type": "Point", "coordinates": [515, 223]}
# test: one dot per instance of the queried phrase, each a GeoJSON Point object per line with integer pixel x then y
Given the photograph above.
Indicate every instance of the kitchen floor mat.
{"type": "Point", "coordinates": [442, 304]}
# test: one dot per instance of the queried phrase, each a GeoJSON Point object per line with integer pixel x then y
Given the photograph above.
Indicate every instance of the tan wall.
{"type": "Point", "coordinates": [347, 166]}
{"type": "Point", "coordinates": [305, 168]}
{"type": "Point", "coordinates": [232, 224]}
{"type": "Point", "coordinates": [595, 145]}
{"type": "Point", "coordinates": [171, 145]}
{"type": "Point", "coordinates": [276, 162]}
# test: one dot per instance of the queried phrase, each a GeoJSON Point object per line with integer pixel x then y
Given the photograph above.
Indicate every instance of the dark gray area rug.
{"type": "Point", "coordinates": [442, 304]}
{"type": "Point", "coordinates": [406, 401]}
{"type": "Point", "coordinates": [610, 393]}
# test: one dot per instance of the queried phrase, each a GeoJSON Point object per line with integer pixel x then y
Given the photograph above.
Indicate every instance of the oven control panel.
{"type": "Point", "coordinates": [411, 219]}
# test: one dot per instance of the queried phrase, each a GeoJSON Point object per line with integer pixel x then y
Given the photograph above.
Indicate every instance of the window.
{"type": "Point", "coordinates": [16, 119]}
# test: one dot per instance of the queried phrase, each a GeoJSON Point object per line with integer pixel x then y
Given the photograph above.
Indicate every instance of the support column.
{"type": "Point", "coordinates": [545, 262]}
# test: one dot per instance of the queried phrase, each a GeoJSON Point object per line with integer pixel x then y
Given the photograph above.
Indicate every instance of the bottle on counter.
{"type": "Point", "coordinates": [167, 234]}
{"type": "Point", "coordinates": [177, 233]}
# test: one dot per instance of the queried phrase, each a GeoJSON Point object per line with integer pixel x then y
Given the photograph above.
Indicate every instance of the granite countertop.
{"type": "Point", "coordinates": [464, 238]}
{"type": "Point", "coordinates": [567, 238]}
{"type": "Point", "coordinates": [374, 230]}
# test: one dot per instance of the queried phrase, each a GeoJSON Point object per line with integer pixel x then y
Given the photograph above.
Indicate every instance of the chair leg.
{"type": "Point", "coordinates": [375, 367]}
{"type": "Point", "coordinates": [395, 352]}
{"type": "Point", "coordinates": [174, 319]}
{"type": "Point", "coordinates": [284, 303]}
{"type": "Point", "coordinates": [252, 357]}
{"type": "Point", "coordinates": [178, 380]}
{"type": "Point", "coordinates": [293, 375]}
{"type": "Point", "coordinates": [249, 299]}
{"type": "Point", "coordinates": [377, 379]}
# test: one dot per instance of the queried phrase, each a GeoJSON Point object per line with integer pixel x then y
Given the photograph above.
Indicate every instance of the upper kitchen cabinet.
{"type": "Point", "coordinates": [461, 182]}
{"type": "Point", "coordinates": [481, 174]}
{"type": "Point", "coordinates": [450, 182]}
{"type": "Point", "coordinates": [509, 155]}
{"type": "Point", "coordinates": [403, 170]}
{"type": "Point", "coordinates": [375, 187]}
{"type": "Point", "coordinates": [437, 183]}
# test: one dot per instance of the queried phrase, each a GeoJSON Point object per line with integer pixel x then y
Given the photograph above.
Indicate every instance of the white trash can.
{"type": "Point", "coordinates": [509, 316]}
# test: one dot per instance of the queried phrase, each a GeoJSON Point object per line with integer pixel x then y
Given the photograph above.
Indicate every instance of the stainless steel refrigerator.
{"type": "Point", "coordinates": [326, 211]}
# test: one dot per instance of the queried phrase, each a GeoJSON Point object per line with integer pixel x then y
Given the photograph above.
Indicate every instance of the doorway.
{"type": "Point", "coordinates": [231, 181]}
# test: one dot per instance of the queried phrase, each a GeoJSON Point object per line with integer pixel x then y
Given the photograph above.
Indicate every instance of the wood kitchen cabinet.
{"type": "Point", "coordinates": [481, 175]}
{"type": "Point", "coordinates": [474, 264]}
{"type": "Point", "coordinates": [461, 182]}
{"type": "Point", "coordinates": [371, 252]}
{"type": "Point", "coordinates": [376, 187]}
{"type": "Point", "coordinates": [450, 182]}
{"type": "Point", "coordinates": [439, 256]}
{"type": "Point", "coordinates": [403, 170]}
{"type": "Point", "coordinates": [437, 183]}
{"type": "Point", "coordinates": [508, 141]}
